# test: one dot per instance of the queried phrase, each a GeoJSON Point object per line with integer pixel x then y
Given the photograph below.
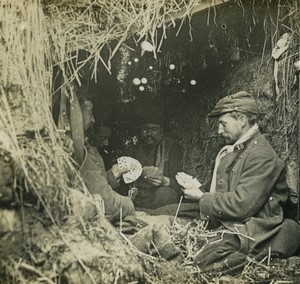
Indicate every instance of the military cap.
{"type": "Point", "coordinates": [241, 101]}
{"type": "Point", "coordinates": [150, 111]}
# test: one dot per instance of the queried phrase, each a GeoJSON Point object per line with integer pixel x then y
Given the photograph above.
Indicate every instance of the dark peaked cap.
{"type": "Point", "coordinates": [241, 101]}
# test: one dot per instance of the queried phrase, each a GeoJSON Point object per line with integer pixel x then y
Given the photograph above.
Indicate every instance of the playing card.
{"type": "Point", "coordinates": [187, 181]}
{"type": "Point", "coordinates": [124, 162]}
{"type": "Point", "coordinates": [134, 166]}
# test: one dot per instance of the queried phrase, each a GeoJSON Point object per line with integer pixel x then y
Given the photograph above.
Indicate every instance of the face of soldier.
{"type": "Point", "coordinates": [101, 137]}
{"type": "Point", "coordinates": [87, 115]}
{"type": "Point", "coordinates": [103, 141]}
{"type": "Point", "coordinates": [230, 128]}
{"type": "Point", "coordinates": [151, 133]}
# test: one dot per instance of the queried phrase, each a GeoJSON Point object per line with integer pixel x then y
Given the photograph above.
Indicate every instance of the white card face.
{"type": "Point", "coordinates": [134, 166]}
{"type": "Point", "coordinates": [123, 163]}
{"type": "Point", "coordinates": [187, 181]}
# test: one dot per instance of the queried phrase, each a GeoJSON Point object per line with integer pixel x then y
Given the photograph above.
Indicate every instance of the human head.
{"type": "Point", "coordinates": [151, 133]}
{"type": "Point", "coordinates": [87, 114]}
{"type": "Point", "coordinates": [150, 117]}
{"type": "Point", "coordinates": [236, 114]}
{"type": "Point", "coordinates": [101, 136]}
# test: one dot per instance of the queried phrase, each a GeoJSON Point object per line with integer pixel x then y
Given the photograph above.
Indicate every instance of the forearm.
{"type": "Point", "coordinates": [112, 181]}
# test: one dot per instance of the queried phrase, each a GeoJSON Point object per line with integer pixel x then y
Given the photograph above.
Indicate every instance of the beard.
{"type": "Point", "coordinates": [227, 140]}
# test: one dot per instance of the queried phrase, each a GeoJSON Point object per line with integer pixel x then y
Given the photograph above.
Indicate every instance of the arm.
{"type": "Point", "coordinates": [94, 176]}
{"type": "Point", "coordinates": [175, 165]}
{"type": "Point", "coordinates": [261, 169]}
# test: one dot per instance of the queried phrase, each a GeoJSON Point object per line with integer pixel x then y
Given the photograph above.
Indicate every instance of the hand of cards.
{"type": "Point", "coordinates": [134, 166]}
{"type": "Point", "coordinates": [152, 172]}
{"type": "Point", "coordinates": [187, 181]}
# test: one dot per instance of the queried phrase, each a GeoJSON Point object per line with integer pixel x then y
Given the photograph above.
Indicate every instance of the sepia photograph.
{"type": "Point", "coordinates": [149, 141]}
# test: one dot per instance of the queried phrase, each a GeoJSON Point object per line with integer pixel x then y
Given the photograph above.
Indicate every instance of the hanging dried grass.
{"type": "Point", "coordinates": [25, 84]}
{"type": "Point", "coordinates": [35, 37]}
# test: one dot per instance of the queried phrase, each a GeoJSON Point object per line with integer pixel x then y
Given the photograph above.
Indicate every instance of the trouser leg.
{"type": "Point", "coordinates": [165, 195]}
{"type": "Point", "coordinates": [285, 243]}
{"type": "Point", "coordinates": [221, 255]}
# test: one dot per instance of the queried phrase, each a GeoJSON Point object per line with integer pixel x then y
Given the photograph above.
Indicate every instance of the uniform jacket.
{"type": "Point", "coordinates": [172, 162]}
{"type": "Point", "coordinates": [173, 159]}
{"type": "Point", "coordinates": [251, 193]}
{"type": "Point", "coordinates": [97, 182]}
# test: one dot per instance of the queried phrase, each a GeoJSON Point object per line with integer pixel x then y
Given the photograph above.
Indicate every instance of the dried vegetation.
{"type": "Point", "coordinates": [35, 36]}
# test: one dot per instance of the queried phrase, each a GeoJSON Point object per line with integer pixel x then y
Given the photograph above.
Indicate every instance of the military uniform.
{"type": "Point", "coordinates": [153, 197]}
{"type": "Point", "coordinates": [249, 199]}
{"type": "Point", "coordinates": [98, 182]}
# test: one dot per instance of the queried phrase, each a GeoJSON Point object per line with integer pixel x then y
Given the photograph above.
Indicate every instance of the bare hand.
{"type": "Point", "coordinates": [158, 181]}
{"type": "Point", "coordinates": [66, 141]}
{"type": "Point", "coordinates": [117, 171]}
{"type": "Point", "coordinates": [192, 193]}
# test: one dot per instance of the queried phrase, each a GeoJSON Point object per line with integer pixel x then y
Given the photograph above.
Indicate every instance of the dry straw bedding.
{"type": "Point", "coordinates": [34, 37]}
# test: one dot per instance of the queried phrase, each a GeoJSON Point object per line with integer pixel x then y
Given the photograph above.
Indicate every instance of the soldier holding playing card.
{"type": "Point", "coordinates": [248, 194]}
{"type": "Point", "coordinates": [161, 159]}
{"type": "Point", "coordinates": [99, 182]}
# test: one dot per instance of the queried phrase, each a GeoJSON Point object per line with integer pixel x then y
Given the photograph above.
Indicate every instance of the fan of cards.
{"type": "Point", "coordinates": [134, 166]}
{"type": "Point", "coordinates": [187, 181]}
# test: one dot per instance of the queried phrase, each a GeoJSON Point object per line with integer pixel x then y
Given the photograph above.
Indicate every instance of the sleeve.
{"type": "Point", "coordinates": [94, 176]}
{"type": "Point", "coordinates": [112, 181]}
{"type": "Point", "coordinates": [176, 155]}
{"type": "Point", "coordinates": [256, 182]}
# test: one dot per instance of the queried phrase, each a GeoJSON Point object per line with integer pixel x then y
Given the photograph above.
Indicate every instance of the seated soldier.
{"type": "Point", "coordinates": [161, 159]}
{"type": "Point", "coordinates": [247, 195]}
{"type": "Point", "coordinates": [93, 172]}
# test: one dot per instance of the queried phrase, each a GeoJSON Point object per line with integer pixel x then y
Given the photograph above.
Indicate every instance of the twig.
{"type": "Point", "coordinates": [121, 220]}
{"type": "Point", "coordinates": [32, 269]}
{"type": "Point", "coordinates": [269, 256]}
{"type": "Point", "coordinates": [177, 210]}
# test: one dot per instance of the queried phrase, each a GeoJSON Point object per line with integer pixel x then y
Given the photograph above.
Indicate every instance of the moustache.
{"type": "Point", "coordinates": [149, 137]}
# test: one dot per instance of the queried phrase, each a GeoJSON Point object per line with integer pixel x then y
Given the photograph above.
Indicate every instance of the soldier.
{"type": "Point", "coordinates": [91, 165]}
{"type": "Point", "coordinates": [160, 157]}
{"type": "Point", "coordinates": [247, 195]}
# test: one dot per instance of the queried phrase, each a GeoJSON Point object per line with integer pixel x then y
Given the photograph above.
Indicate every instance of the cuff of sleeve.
{"type": "Point", "coordinates": [205, 205]}
{"type": "Point", "coordinates": [112, 181]}
{"type": "Point", "coordinates": [174, 184]}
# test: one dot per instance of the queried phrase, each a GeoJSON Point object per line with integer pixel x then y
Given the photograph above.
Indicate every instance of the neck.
{"type": "Point", "coordinates": [248, 132]}
{"type": "Point", "coordinates": [245, 130]}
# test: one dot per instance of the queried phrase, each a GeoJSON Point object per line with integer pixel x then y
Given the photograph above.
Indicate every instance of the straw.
{"type": "Point", "coordinates": [177, 210]}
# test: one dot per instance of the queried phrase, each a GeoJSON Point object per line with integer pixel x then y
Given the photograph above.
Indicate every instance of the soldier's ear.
{"type": "Point", "coordinates": [243, 120]}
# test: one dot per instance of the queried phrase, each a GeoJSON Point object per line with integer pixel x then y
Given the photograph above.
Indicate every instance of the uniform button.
{"type": "Point", "coordinates": [220, 181]}
{"type": "Point", "coordinates": [255, 142]}
{"type": "Point", "coordinates": [207, 216]}
{"type": "Point", "coordinates": [271, 198]}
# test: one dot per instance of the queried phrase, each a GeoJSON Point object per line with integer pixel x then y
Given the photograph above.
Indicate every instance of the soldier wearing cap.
{"type": "Point", "coordinates": [161, 158]}
{"type": "Point", "coordinates": [247, 194]}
